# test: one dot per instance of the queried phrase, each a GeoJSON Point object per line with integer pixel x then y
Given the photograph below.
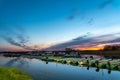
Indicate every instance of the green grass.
{"type": "Point", "coordinates": [13, 74]}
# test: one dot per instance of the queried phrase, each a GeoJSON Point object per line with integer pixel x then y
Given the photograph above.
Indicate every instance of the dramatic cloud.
{"type": "Point", "coordinates": [16, 36]}
{"type": "Point", "coordinates": [87, 40]}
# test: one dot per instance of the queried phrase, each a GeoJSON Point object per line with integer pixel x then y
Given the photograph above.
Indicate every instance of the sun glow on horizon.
{"type": "Point", "coordinates": [99, 47]}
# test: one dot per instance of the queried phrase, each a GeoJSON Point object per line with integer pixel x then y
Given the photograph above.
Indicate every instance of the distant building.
{"type": "Point", "coordinates": [72, 53]}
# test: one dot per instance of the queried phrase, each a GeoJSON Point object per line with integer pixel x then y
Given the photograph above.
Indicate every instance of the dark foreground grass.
{"type": "Point", "coordinates": [13, 74]}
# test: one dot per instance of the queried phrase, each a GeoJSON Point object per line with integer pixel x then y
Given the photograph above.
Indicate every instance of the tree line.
{"type": "Point", "coordinates": [111, 47]}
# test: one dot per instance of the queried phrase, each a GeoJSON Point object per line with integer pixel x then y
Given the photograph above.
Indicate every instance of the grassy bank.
{"type": "Point", "coordinates": [13, 74]}
{"type": "Point", "coordinates": [98, 63]}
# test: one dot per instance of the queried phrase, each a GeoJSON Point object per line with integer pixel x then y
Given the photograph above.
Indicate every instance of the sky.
{"type": "Point", "coordinates": [58, 24]}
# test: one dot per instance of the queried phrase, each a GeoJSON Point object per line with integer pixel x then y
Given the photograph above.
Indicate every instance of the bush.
{"type": "Point", "coordinates": [63, 62]}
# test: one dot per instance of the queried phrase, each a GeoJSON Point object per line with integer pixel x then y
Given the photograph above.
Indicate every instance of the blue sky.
{"type": "Point", "coordinates": [39, 24]}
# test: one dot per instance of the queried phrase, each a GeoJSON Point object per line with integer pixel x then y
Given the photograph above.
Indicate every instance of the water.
{"type": "Point", "coordinates": [41, 70]}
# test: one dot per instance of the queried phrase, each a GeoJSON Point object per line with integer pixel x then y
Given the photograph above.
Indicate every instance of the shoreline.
{"type": "Point", "coordinates": [89, 62]}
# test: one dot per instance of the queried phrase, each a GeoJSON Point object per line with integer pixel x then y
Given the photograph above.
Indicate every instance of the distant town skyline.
{"type": "Point", "coordinates": [58, 24]}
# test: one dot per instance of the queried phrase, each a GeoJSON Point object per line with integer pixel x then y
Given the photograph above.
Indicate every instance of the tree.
{"type": "Point", "coordinates": [68, 50]}
{"type": "Point", "coordinates": [111, 47]}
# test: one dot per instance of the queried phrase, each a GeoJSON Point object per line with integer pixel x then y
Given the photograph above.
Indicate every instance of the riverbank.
{"type": "Point", "coordinates": [44, 70]}
{"type": "Point", "coordinates": [109, 64]}
{"type": "Point", "coordinates": [13, 74]}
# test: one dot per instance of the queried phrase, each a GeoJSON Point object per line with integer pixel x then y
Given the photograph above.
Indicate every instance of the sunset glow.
{"type": "Point", "coordinates": [91, 48]}
{"type": "Point", "coordinates": [58, 24]}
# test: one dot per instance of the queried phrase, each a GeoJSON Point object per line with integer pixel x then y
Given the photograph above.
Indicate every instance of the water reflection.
{"type": "Point", "coordinates": [17, 61]}
{"type": "Point", "coordinates": [12, 61]}
{"type": "Point", "coordinates": [55, 71]}
{"type": "Point", "coordinates": [87, 67]}
{"type": "Point", "coordinates": [46, 62]}
{"type": "Point", "coordinates": [97, 69]}
{"type": "Point", "coordinates": [109, 71]}
{"type": "Point", "coordinates": [23, 63]}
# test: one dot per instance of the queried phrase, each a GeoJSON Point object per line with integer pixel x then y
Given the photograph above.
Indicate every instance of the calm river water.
{"type": "Point", "coordinates": [41, 70]}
